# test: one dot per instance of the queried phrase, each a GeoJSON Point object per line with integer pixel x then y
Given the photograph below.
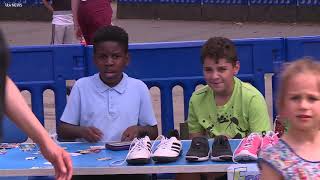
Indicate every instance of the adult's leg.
{"type": "Point", "coordinates": [92, 15]}
{"type": "Point", "coordinates": [83, 13]}
{"type": "Point", "coordinates": [101, 17]}
{"type": "Point", "coordinates": [58, 34]}
{"type": "Point", "coordinates": [69, 37]}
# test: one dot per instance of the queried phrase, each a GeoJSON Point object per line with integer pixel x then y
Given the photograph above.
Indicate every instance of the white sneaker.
{"type": "Point", "coordinates": [139, 151]}
{"type": "Point", "coordinates": [168, 150]}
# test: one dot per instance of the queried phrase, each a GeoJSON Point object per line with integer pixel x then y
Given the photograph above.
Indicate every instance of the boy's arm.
{"type": "Point", "coordinates": [134, 131]}
{"type": "Point", "coordinates": [147, 123]}
{"type": "Point", "coordinates": [151, 131]}
{"type": "Point", "coordinates": [71, 132]}
{"type": "Point", "coordinates": [47, 5]}
{"type": "Point", "coordinates": [69, 127]}
{"type": "Point", "coordinates": [259, 119]}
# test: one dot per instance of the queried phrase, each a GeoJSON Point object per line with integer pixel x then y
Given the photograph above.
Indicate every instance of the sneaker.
{"type": "Point", "coordinates": [269, 139]}
{"type": "Point", "coordinates": [199, 149]}
{"type": "Point", "coordinates": [248, 148]}
{"type": "Point", "coordinates": [139, 151]}
{"type": "Point", "coordinates": [221, 150]}
{"type": "Point", "coordinates": [169, 149]}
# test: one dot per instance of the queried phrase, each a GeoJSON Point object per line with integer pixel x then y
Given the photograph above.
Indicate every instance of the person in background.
{"type": "Point", "coordinates": [14, 106]}
{"type": "Point", "coordinates": [89, 16]}
{"type": "Point", "coordinates": [62, 21]}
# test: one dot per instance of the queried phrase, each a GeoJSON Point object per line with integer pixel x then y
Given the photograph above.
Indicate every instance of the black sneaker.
{"type": "Point", "coordinates": [221, 150]}
{"type": "Point", "coordinates": [199, 149]}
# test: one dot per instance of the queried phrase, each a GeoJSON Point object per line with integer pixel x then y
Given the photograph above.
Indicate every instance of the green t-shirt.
{"type": "Point", "coordinates": [245, 112]}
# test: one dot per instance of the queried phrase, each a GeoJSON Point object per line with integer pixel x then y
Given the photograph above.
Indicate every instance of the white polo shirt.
{"type": "Point", "coordinates": [110, 109]}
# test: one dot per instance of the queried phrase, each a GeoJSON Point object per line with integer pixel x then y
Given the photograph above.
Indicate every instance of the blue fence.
{"type": "Point", "coordinates": [273, 2]}
{"type": "Point", "coordinates": [225, 10]}
{"type": "Point", "coordinates": [308, 3]}
{"type": "Point", "coordinates": [23, 2]}
{"type": "Point", "coordinates": [162, 65]}
{"type": "Point", "coordinates": [295, 48]}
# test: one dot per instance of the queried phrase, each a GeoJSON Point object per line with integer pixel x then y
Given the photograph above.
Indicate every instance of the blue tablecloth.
{"type": "Point", "coordinates": [14, 162]}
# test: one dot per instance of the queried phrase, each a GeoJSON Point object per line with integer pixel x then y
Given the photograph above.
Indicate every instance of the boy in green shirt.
{"type": "Point", "coordinates": [226, 106]}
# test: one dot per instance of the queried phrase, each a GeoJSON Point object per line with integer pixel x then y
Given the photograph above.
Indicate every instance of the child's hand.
{"type": "Point", "coordinates": [91, 134]}
{"type": "Point", "coordinates": [130, 133]}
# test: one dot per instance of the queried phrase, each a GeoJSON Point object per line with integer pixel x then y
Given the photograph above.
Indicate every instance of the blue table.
{"type": "Point", "coordinates": [14, 163]}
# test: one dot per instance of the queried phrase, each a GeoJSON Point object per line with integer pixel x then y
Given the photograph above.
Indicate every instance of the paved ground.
{"type": "Point", "coordinates": [36, 33]}
{"type": "Point", "coordinates": [30, 33]}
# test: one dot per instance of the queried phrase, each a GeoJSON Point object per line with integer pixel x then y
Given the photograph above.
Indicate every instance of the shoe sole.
{"type": "Point", "coordinates": [164, 159]}
{"type": "Point", "coordinates": [196, 159]}
{"type": "Point", "coordinates": [138, 161]}
{"type": "Point", "coordinates": [222, 158]}
{"type": "Point", "coordinates": [245, 156]}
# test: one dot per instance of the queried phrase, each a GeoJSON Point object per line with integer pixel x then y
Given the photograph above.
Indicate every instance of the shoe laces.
{"type": "Point", "coordinates": [248, 141]}
{"type": "Point", "coordinates": [271, 138]}
{"type": "Point", "coordinates": [163, 144]}
{"type": "Point", "coordinates": [136, 145]}
{"type": "Point", "coordinates": [247, 144]}
{"type": "Point", "coordinates": [223, 140]}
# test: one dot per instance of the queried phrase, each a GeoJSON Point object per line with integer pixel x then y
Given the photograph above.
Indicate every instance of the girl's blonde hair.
{"type": "Point", "coordinates": [290, 70]}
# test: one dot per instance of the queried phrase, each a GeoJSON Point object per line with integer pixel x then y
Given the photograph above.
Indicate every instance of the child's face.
{"type": "Point", "coordinates": [110, 59]}
{"type": "Point", "coordinates": [219, 76]}
{"type": "Point", "coordinates": [302, 102]}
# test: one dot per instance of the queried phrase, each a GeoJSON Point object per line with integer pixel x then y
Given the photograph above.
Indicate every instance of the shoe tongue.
{"type": "Point", "coordinates": [270, 133]}
{"type": "Point", "coordinates": [173, 138]}
{"type": "Point", "coordinates": [146, 138]}
{"type": "Point", "coordinates": [134, 140]}
{"type": "Point", "coordinates": [221, 139]}
{"type": "Point", "coordinates": [197, 141]}
{"type": "Point", "coordinates": [254, 134]}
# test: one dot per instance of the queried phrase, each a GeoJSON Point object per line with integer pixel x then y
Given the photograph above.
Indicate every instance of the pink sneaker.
{"type": "Point", "coordinates": [269, 139]}
{"type": "Point", "coordinates": [248, 148]}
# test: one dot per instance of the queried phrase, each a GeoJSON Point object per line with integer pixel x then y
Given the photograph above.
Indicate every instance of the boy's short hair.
{"type": "Point", "coordinates": [111, 33]}
{"type": "Point", "coordinates": [218, 48]}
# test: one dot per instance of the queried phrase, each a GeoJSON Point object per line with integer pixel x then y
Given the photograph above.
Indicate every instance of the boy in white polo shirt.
{"type": "Point", "coordinates": [110, 105]}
